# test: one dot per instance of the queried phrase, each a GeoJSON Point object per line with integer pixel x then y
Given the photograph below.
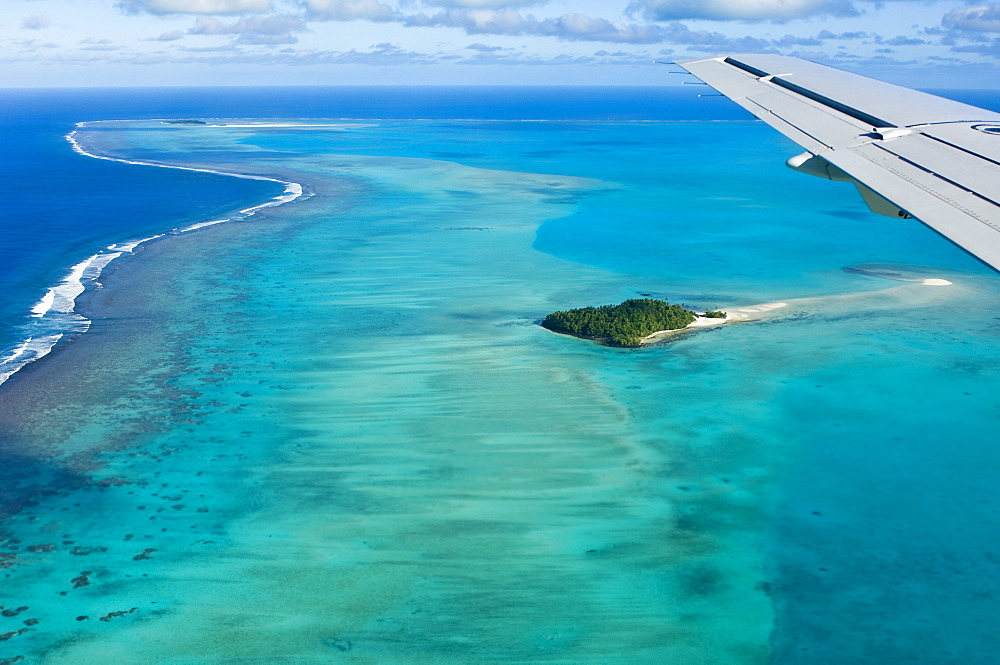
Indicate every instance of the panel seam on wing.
{"type": "Point", "coordinates": [939, 176]}
{"type": "Point", "coordinates": [943, 197]}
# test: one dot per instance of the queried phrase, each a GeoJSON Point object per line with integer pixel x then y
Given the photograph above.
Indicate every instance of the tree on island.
{"type": "Point", "coordinates": [621, 325]}
{"type": "Point", "coordinates": [715, 314]}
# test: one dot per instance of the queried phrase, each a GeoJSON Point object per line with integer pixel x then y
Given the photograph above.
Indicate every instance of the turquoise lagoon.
{"type": "Point", "coordinates": [333, 432]}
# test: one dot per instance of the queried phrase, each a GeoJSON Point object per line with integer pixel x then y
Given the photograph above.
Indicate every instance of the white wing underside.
{"type": "Point", "coordinates": [932, 158]}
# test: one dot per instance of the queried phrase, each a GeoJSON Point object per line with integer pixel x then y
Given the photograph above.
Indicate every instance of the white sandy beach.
{"type": "Point", "coordinates": [736, 314]}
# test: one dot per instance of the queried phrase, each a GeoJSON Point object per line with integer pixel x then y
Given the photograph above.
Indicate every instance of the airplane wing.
{"type": "Point", "coordinates": [908, 153]}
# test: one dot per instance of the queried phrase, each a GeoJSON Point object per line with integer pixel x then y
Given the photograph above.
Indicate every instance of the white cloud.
{"type": "Point", "coordinates": [792, 40]}
{"type": "Point", "coordinates": [579, 27]}
{"type": "Point", "coordinates": [904, 41]}
{"type": "Point", "coordinates": [576, 27]}
{"type": "Point", "coordinates": [483, 48]}
{"type": "Point", "coordinates": [349, 10]}
{"type": "Point", "coordinates": [90, 44]}
{"type": "Point", "coordinates": [571, 27]}
{"type": "Point", "coordinates": [477, 21]}
{"type": "Point", "coordinates": [745, 10]}
{"type": "Point", "coordinates": [273, 29]}
{"type": "Point", "coordinates": [484, 4]}
{"type": "Point", "coordinates": [195, 6]}
{"type": "Point", "coordinates": [36, 22]}
{"type": "Point", "coordinates": [990, 48]}
{"type": "Point", "coordinates": [826, 34]}
{"type": "Point", "coordinates": [171, 36]}
{"type": "Point", "coordinates": [984, 18]}
{"type": "Point", "coordinates": [277, 24]}
{"type": "Point", "coordinates": [383, 54]}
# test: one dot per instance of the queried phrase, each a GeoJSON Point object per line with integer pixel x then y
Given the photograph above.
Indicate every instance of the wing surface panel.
{"type": "Point", "coordinates": [895, 104]}
{"type": "Point", "coordinates": [952, 212]}
{"type": "Point", "coordinates": [978, 142]}
{"type": "Point", "coordinates": [973, 174]}
{"type": "Point", "coordinates": [933, 158]}
{"type": "Point", "coordinates": [783, 125]}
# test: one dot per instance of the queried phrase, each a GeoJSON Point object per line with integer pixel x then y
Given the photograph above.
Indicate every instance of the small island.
{"type": "Point", "coordinates": [627, 324]}
{"type": "Point", "coordinates": [184, 122]}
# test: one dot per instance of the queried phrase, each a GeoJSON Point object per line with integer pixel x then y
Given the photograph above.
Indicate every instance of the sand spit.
{"type": "Point", "coordinates": [755, 312]}
{"type": "Point", "coordinates": [748, 313]}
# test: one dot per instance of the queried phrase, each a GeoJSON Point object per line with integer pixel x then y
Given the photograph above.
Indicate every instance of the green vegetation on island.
{"type": "Point", "coordinates": [621, 325]}
{"type": "Point", "coordinates": [714, 314]}
{"type": "Point", "coordinates": [184, 122]}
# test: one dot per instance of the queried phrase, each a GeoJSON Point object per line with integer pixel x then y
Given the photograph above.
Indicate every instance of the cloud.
{"type": "Point", "coordinates": [826, 34]}
{"type": "Point", "coordinates": [904, 41]}
{"type": "Point", "coordinates": [570, 27]}
{"type": "Point", "coordinates": [562, 59]}
{"type": "Point", "coordinates": [36, 22]}
{"type": "Point", "coordinates": [32, 45]}
{"type": "Point", "coordinates": [224, 48]}
{"type": "Point", "coordinates": [983, 18]}
{"type": "Point", "coordinates": [703, 40]}
{"type": "Point", "coordinates": [483, 48]}
{"type": "Point", "coordinates": [349, 10]}
{"type": "Point", "coordinates": [171, 36]}
{"type": "Point", "coordinates": [195, 6]}
{"type": "Point", "coordinates": [576, 27]}
{"type": "Point", "coordinates": [272, 29]}
{"type": "Point", "coordinates": [378, 55]}
{"type": "Point", "coordinates": [484, 4]}
{"type": "Point", "coordinates": [276, 24]}
{"type": "Point", "coordinates": [990, 48]}
{"type": "Point", "coordinates": [579, 27]}
{"type": "Point", "coordinates": [792, 40]}
{"type": "Point", "coordinates": [477, 21]}
{"type": "Point", "coordinates": [98, 45]}
{"type": "Point", "coordinates": [745, 10]}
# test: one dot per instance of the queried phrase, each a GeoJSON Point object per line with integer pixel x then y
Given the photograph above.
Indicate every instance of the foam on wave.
{"type": "Point", "coordinates": [54, 316]}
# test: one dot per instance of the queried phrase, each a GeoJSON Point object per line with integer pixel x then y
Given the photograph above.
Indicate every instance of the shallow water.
{"type": "Point", "coordinates": [335, 433]}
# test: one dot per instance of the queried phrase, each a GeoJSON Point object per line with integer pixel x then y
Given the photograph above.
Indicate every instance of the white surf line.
{"type": "Point", "coordinates": [293, 190]}
{"type": "Point", "coordinates": [60, 300]}
{"type": "Point", "coordinates": [30, 349]}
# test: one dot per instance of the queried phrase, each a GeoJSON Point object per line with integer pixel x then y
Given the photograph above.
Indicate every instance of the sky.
{"type": "Point", "coordinates": [59, 43]}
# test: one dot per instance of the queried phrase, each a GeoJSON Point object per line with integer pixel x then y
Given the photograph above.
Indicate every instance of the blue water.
{"type": "Point", "coordinates": [61, 208]}
{"type": "Point", "coordinates": [331, 432]}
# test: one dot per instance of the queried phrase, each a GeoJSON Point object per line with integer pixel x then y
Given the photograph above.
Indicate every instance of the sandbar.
{"type": "Point", "coordinates": [736, 314]}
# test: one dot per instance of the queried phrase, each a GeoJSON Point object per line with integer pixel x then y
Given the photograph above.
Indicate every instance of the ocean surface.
{"type": "Point", "coordinates": [331, 430]}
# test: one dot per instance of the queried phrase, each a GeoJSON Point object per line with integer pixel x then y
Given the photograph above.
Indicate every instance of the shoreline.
{"type": "Point", "coordinates": [732, 316]}
{"type": "Point", "coordinates": [54, 314]}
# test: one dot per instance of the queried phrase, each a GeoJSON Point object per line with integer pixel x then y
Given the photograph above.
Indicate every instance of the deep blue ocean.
{"type": "Point", "coordinates": [331, 432]}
